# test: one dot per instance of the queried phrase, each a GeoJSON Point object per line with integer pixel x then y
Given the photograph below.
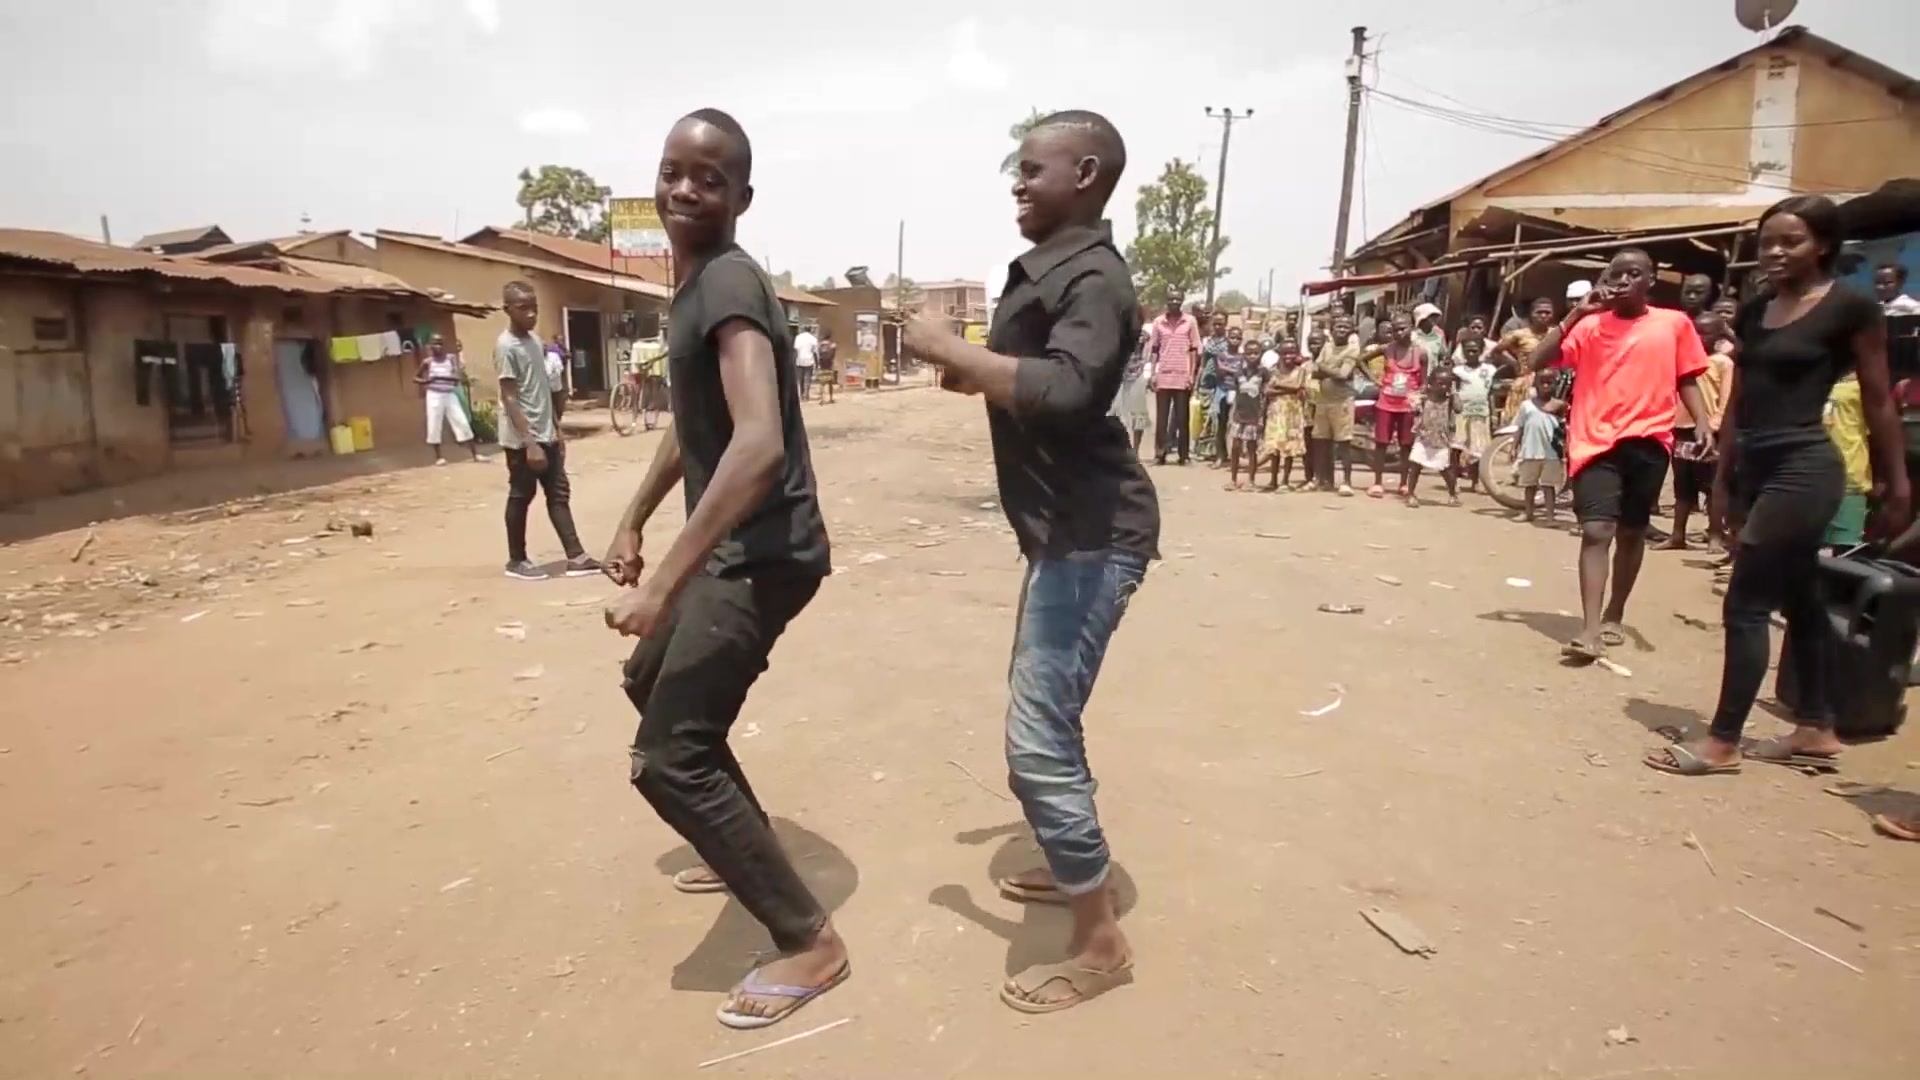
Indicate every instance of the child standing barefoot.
{"type": "Point", "coordinates": [1540, 463]}
{"type": "Point", "coordinates": [1286, 433]}
{"type": "Point", "coordinates": [1432, 449]}
{"type": "Point", "coordinates": [1243, 428]}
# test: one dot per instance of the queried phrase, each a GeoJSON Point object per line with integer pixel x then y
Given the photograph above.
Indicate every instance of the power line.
{"type": "Point", "coordinates": [1643, 156]}
{"type": "Point", "coordinates": [1548, 125]}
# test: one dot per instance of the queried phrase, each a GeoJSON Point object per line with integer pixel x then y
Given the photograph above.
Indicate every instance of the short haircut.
{"type": "Point", "coordinates": [1538, 300]}
{"type": "Point", "coordinates": [742, 146]}
{"type": "Point", "coordinates": [1822, 218]}
{"type": "Point", "coordinates": [514, 288]}
{"type": "Point", "coordinates": [1108, 146]}
{"type": "Point", "coordinates": [1898, 271]}
{"type": "Point", "coordinates": [1641, 253]}
{"type": "Point", "coordinates": [1698, 277]}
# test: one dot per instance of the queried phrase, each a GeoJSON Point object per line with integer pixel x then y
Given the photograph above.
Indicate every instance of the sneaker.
{"type": "Point", "coordinates": [583, 566]}
{"type": "Point", "coordinates": [525, 571]}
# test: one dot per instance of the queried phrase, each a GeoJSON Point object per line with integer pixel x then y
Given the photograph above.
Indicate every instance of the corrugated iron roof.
{"type": "Point", "coordinates": [284, 245]}
{"type": "Point", "coordinates": [601, 257]}
{"type": "Point", "coordinates": [624, 282]}
{"type": "Point", "coordinates": [179, 236]}
{"type": "Point", "coordinates": [70, 253]}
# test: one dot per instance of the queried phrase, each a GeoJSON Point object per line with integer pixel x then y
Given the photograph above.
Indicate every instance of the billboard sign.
{"type": "Point", "coordinates": [634, 228]}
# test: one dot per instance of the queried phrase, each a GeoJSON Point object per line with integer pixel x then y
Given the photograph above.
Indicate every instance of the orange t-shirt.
{"type": "Point", "coordinates": [1625, 372]}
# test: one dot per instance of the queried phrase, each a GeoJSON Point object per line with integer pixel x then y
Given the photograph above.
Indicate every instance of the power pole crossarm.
{"type": "Point", "coordinates": [1354, 63]}
{"type": "Point", "coordinates": [1226, 118]}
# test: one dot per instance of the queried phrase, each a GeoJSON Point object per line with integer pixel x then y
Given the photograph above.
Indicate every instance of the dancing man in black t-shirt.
{"type": "Point", "coordinates": [751, 555]}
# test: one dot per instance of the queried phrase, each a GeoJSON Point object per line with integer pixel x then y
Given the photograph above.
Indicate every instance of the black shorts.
{"type": "Point", "coordinates": [1623, 484]}
{"type": "Point", "coordinates": [1692, 480]}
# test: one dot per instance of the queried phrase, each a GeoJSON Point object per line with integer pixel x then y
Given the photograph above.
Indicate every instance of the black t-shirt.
{"type": "Point", "coordinates": [785, 534]}
{"type": "Point", "coordinates": [1070, 480]}
{"type": "Point", "coordinates": [1786, 372]}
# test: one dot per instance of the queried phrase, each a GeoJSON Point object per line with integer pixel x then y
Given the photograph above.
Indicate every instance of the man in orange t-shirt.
{"type": "Point", "coordinates": [1628, 361]}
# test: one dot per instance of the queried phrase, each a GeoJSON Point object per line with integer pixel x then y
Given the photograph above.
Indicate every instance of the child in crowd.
{"type": "Point", "coordinates": [1285, 437]}
{"type": "Point", "coordinates": [1473, 395]}
{"type": "Point", "coordinates": [1846, 419]}
{"type": "Point", "coordinates": [1432, 449]}
{"type": "Point", "coordinates": [1229, 368]}
{"type": "Point", "coordinates": [1694, 462]}
{"type": "Point", "coordinates": [1243, 427]}
{"type": "Point", "coordinates": [1541, 467]}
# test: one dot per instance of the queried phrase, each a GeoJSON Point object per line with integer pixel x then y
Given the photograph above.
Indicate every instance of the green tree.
{"type": "Point", "coordinates": [1232, 300]}
{"type": "Point", "coordinates": [1169, 249]}
{"type": "Point", "coordinates": [564, 201]}
{"type": "Point", "coordinates": [1018, 133]}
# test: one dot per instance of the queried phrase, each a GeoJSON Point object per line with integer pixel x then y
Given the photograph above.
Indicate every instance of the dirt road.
{"type": "Point", "coordinates": [277, 806]}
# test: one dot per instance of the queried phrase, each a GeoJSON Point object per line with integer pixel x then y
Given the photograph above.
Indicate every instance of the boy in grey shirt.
{"type": "Point", "coordinates": [535, 453]}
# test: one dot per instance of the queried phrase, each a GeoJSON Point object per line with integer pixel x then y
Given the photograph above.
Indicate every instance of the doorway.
{"type": "Point", "coordinates": [586, 352]}
{"type": "Point", "coordinates": [296, 371]}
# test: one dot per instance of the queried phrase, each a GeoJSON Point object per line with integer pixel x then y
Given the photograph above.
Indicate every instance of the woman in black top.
{"type": "Point", "coordinates": [1797, 337]}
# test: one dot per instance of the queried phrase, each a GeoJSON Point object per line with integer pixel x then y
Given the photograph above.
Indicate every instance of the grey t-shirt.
{"type": "Point", "coordinates": [523, 360]}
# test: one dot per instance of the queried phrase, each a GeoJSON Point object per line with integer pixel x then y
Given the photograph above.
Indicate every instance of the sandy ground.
{"type": "Point", "coordinates": [278, 805]}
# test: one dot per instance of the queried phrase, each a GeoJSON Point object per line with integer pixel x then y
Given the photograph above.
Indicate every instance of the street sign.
{"type": "Point", "coordinates": [634, 228]}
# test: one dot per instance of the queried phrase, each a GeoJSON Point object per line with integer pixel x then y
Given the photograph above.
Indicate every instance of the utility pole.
{"type": "Point", "coordinates": [1354, 63]}
{"type": "Point", "coordinates": [1226, 118]}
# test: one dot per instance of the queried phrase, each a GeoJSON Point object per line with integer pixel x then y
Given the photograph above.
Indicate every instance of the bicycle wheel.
{"type": "Point", "coordinates": [623, 408]}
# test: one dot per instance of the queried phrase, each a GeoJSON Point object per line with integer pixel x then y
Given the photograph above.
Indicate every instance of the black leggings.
{"type": "Point", "coordinates": [1790, 494]}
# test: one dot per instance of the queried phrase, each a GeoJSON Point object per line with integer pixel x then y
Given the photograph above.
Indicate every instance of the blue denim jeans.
{"type": "Point", "coordinates": [1069, 609]}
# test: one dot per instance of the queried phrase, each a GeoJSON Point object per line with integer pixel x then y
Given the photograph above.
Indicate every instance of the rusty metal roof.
{"type": "Point", "coordinates": [283, 245]}
{"type": "Point", "coordinates": [601, 257]}
{"type": "Point", "coordinates": [180, 236]}
{"type": "Point", "coordinates": [609, 278]}
{"type": "Point", "coordinates": [60, 252]}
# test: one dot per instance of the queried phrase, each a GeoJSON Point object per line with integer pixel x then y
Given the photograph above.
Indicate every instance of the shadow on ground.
{"type": "Point", "coordinates": [1039, 934]}
{"type": "Point", "coordinates": [736, 941]}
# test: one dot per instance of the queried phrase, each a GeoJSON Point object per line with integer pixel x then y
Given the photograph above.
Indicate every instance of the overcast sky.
{"type": "Point", "coordinates": [417, 114]}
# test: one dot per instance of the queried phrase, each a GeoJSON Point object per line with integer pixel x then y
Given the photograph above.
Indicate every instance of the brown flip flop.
{"type": "Point", "coordinates": [1680, 761]}
{"type": "Point", "coordinates": [1087, 984]}
{"type": "Point", "coordinates": [1894, 827]}
{"type": "Point", "coordinates": [1023, 893]}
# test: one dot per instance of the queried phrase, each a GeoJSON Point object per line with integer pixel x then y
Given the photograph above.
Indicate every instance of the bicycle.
{"type": "Point", "coordinates": [641, 397]}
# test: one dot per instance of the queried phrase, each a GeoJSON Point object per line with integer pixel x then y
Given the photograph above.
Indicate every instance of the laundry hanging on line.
{"type": "Point", "coordinates": [344, 350]}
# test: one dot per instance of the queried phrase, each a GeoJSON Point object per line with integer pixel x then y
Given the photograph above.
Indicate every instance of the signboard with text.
{"type": "Point", "coordinates": [635, 229]}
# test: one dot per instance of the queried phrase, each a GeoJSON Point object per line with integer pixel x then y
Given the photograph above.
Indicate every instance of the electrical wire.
{"type": "Point", "coordinates": [1642, 156]}
{"type": "Point", "coordinates": [1551, 126]}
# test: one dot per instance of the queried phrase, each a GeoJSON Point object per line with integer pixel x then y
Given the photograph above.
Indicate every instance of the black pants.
{"type": "Point", "coordinates": [1170, 413]}
{"type": "Point", "coordinates": [1791, 494]}
{"type": "Point", "coordinates": [688, 681]}
{"type": "Point", "coordinates": [522, 479]}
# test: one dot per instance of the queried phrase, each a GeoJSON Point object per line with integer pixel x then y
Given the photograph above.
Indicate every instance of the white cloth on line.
{"type": "Point", "coordinates": [371, 347]}
{"type": "Point", "coordinates": [390, 343]}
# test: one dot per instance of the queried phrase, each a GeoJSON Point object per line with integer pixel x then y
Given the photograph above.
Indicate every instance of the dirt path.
{"type": "Point", "coordinates": [342, 824]}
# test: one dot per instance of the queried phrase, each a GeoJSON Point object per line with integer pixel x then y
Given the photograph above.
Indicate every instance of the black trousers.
{"type": "Point", "coordinates": [1790, 495]}
{"type": "Point", "coordinates": [522, 480]}
{"type": "Point", "coordinates": [1170, 414]}
{"type": "Point", "coordinates": [688, 681]}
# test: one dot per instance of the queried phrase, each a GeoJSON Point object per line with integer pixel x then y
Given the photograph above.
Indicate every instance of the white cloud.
{"type": "Point", "coordinates": [343, 38]}
{"type": "Point", "coordinates": [554, 121]}
{"type": "Point", "coordinates": [969, 66]}
{"type": "Point", "coordinates": [486, 14]}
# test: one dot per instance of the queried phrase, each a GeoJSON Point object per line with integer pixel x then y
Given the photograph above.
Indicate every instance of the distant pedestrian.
{"type": "Point", "coordinates": [1334, 368]}
{"type": "Point", "coordinates": [1130, 404]}
{"type": "Point", "coordinates": [443, 375]}
{"type": "Point", "coordinates": [828, 369]}
{"type": "Point", "coordinates": [1890, 288]}
{"type": "Point", "coordinates": [534, 449]}
{"type": "Point", "coordinates": [1432, 449]}
{"type": "Point", "coordinates": [1173, 348]}
{"type": "Point", "coordinates": [1541, 470]}
{"type": "Point", "coordinates": [1432, 340]}
{"type": "Point", "coordinates": [1473, 418]}
{"type": "Point", "coordinates": [1284, 435]}
{"type": "Point", "coordinates": [806, 354]}
{"type": "Point", "coordinates": [1402, 378]}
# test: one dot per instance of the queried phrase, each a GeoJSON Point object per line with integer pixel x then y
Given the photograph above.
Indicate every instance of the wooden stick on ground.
{"type": "Point", "coordinates": [1799, 942]}
{"type": "Point", "coordinates": [809, 1033]}
{"type": "Point", "coordinates": [981, 783]}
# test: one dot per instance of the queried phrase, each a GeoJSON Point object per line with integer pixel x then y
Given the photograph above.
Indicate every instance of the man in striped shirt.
{"type": "Point", "coordinates": [1174, 346]}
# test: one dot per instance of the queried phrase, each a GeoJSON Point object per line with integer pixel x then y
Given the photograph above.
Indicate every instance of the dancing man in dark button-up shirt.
{"type": "Point", "coordinates": [1082, 508]}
